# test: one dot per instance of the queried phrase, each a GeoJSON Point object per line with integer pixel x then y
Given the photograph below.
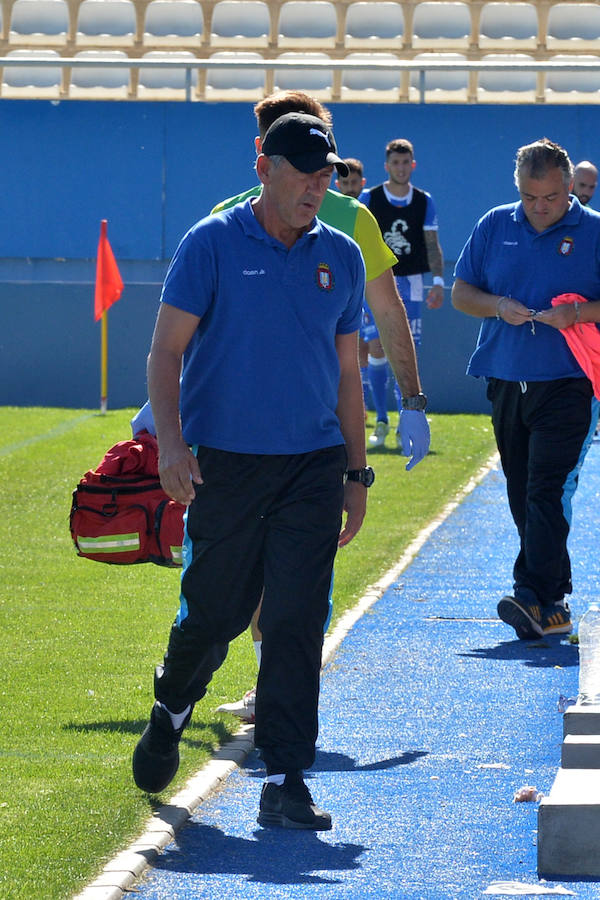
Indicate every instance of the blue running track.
{"type": "Point", "coordinates": [432, 717]}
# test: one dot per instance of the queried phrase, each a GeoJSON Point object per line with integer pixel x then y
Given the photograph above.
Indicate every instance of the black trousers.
{"type": "Point", "coordinates": [259, 520]}
{"type": "Point", "coordinates": [541, 428]}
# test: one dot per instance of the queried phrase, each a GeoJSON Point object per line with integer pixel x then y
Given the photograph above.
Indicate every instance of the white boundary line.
{"type": "Point", "coordinates": [59, 429]}
{"type": "Point", "coordinates": [121, 873]}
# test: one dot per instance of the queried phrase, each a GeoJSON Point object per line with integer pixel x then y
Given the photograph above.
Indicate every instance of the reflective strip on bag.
{"type": "Point", "coordinates": [109, 543]}
{"type": "Point", "coordinates": [177, 554]}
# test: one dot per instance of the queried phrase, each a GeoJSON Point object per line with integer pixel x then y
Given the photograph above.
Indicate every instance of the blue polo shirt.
{"type": "Point", "coordinates": [505, 255]}
{"type": "Point", "coordinates": [261, 372]}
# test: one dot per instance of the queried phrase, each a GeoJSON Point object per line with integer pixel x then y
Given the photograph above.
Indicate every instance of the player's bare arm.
{"type": "Point", "coordinates": [394, 331]}
{"type": "Point", "coordinates": [474, 302]}
{"type": "Point", "coordinates": [435, 258]}
{"type": "Point", "coordinates": [350, 411]}
{"type": "Point", "coordinates": [178, 467]}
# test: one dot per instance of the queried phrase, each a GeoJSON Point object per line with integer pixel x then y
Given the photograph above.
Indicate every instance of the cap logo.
{"type": "Point", "coordinates": [321, 134]}
{"type": "Point", "coordinates": [324, 277]}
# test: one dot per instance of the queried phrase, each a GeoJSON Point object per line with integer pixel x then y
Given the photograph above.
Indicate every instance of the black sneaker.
{"type": "Point", "coordinates": [291, 806]}
{"type": "Point", "coordinates": [556, 619]}
{"type": "Point", "coordinates": [156, 756]}
{"type": "Point", "coordinates": [525, 617]}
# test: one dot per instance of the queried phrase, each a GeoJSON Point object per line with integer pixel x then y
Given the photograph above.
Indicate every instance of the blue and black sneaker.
{"type": "Point", "coordinates": [522, 615]}
{"type": "Point", "coordinates": [556, 619]}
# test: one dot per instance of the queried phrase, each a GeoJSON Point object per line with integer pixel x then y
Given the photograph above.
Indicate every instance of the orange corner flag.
{"type": "Point", "coordinates": [109, 283]}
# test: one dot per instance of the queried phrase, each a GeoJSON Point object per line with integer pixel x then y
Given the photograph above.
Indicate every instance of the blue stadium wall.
{"type": "Point", "coordinates": [153, 169]}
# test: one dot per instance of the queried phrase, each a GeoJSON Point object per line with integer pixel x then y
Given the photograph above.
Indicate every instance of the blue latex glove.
{"type": "Point", "coordinates": [143, 420]}
{"type": "Point", "coordinates": [414, 433]}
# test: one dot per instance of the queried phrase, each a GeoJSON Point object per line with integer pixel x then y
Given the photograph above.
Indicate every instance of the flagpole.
{"type": "Point", "coordinates": [104, 362]}
{"type": "Point", "coordinates": [109, 286]}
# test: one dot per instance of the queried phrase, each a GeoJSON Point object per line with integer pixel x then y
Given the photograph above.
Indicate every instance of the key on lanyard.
{"type": "Point", "coordinates": [533, 313]}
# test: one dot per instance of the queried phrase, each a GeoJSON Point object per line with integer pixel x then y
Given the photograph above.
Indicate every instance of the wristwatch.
{"type": "Point", "coordinates": [418, 402]}
{"type": "Point", "coordinates": [365, 476]}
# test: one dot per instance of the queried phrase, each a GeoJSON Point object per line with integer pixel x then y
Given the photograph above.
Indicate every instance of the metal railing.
{"type": "Point", "coordinates": [419, 66]}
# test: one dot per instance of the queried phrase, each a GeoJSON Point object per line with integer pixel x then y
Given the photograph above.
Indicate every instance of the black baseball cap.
{"type": "Point", "coordinates": [305, 141]}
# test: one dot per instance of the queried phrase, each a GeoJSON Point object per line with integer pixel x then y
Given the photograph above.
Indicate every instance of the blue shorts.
{"type": "Point", "coordinates": [410, 289]}
{"type": "Point", "coordinates": [368, 329]}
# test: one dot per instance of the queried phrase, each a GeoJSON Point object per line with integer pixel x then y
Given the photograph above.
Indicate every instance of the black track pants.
{"type": "Point", "coordinates": [260, 520]}
{"type": "Point", "coordinates": [541, 428]}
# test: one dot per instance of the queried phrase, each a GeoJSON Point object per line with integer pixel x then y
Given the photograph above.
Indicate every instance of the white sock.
{"type": "Point", "coordinates": [275, 779]}
{"type": "Point", "coordinates": [258, 651]}
{"type": "Point", "coordinates": [177, 719]}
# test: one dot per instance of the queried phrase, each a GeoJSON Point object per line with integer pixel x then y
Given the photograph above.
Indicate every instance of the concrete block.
{"type": "Point", "coordinates": [581, 720]}
{"type": "Point", "coordinates": [569, 825]}
{"type": "Point", "coordinates": [581, 751]}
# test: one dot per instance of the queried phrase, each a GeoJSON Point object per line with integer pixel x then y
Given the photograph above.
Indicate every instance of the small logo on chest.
{"type": "Point", "coordinates": [566, 245]}
{"type": "Point", "coordinates": [324, 277]}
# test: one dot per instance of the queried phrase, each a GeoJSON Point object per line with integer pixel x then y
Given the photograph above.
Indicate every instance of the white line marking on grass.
{"type": "Point", "coordinates": [123, 871]}
{"type": "Point", "coordinates": [46, 435]}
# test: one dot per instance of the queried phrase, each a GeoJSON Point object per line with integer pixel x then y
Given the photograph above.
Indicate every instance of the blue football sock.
{"type": "Point", "coordinates": [378, 375]}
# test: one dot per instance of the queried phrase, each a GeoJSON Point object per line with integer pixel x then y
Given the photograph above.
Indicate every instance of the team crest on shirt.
{"type": "Point", "coordinates": [565, 246]}
{"type": "Point", "coordinates": [324, 277]}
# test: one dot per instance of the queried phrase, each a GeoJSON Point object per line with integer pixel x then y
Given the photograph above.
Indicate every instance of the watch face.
{"type": "Point", "coordinates": [368, 476]}
{"type": "Point", "coordinates": [364, 476]}
{"type": "Point", "coordinates": [418, 402]}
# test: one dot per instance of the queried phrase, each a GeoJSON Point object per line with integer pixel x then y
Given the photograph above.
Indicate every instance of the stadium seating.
{"type": "Point", "coordinates": [231, 83]}
{"type": "Point", "coordinates": [438, 25]}
{"type": "Point", "coordinates": [374, 26]}
{"type": "Point", "coordinates": [441, 86]}
{"type": "Point", "coordinates": [39, 22]}
{"type": "Point", "coordinates": [514, 86]}
{"type": "Point", "coordinates": [408, 31]}
{"type": "Point", "coordinates": [31, 81]}
{"type": "Point", "coordinates": [370, 85]}
{"type": "Point", "coordinates": [572, 87]}
{"type": "Point", "coordinates": [109, 23]}
{"type": "Point", "coordinates": [240, 23]}
{"type": "Point", "coordinates": [92, 82]}
{"type": "Point", "coordinates": [173, 23]}
{"type": "Point", "coordinates": [573, 26]}
{"type": "Point", "coordinates": [317, 82]}
{"type": "Point", "coordinates": [508, 26]}
{"type": "Point", "coordinates": [307, 24]}
{"type": "Point", "coordinates": [165, 83]}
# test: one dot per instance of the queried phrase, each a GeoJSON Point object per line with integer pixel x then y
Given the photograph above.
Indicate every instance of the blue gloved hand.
{"type": "Point", "coordinates": [414, 433]}
{"type": "Point", "coordinates": [143, 420]}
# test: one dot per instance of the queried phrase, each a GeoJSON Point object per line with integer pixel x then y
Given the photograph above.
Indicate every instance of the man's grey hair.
{"type": "Point", "coordinates": [537, 159]}
{"type": "Point", "coordinates": [276, 159]}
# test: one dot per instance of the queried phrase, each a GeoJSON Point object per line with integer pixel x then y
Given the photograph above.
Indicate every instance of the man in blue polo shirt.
{"type": "Point", "coordinates": [517, 259]}
{"type": "Point", "coordinates": [262, 304]}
